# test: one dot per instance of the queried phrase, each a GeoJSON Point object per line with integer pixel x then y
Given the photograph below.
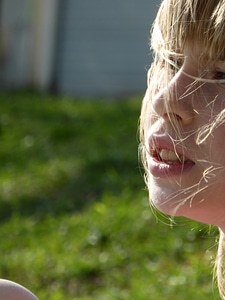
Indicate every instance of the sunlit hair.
{"type": "Point", "coordinates": [177, 25]}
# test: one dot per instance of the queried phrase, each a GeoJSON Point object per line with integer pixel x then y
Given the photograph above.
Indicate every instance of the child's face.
{"type": "Point", "coordinates": [187, 170]}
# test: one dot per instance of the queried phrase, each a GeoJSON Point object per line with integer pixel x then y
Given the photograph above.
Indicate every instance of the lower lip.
{"type": "Point", "coordinates": [163, 170]}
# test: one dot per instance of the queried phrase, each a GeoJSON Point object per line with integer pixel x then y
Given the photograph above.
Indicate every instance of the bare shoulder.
{"type": "Point", "coordinates": [10, 290]}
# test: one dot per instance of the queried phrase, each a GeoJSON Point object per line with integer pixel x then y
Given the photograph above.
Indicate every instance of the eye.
{"type": "Point", "coordinates": [175, 63]}
{"type": "Point", "coordinates": [219, 75]}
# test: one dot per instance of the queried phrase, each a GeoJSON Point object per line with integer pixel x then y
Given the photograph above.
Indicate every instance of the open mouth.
{"type": "Point", "coordinates": [170, 157]}
{"type": "Point", "coordinates": [167, 163]}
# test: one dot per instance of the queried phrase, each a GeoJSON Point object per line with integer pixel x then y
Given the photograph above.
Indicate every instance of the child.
{"type": "Point", "coordinates": [182, 128]}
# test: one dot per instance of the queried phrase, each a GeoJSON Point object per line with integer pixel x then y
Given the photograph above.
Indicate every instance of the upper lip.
{"type": "Point", "coordinates": [159, 142]}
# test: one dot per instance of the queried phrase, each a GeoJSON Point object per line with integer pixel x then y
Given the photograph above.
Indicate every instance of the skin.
{"type": "Point", "coordinates": [196, 193]}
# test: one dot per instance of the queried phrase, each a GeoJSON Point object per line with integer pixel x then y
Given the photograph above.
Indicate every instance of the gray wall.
{"type": "Point", "coordinates": [102, 48]}
{"type": "Point", "coordinates": [15, 42]}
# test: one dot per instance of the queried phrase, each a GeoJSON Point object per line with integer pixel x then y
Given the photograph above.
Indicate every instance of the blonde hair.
{"type": "Point", "coordinates": [177, 24]}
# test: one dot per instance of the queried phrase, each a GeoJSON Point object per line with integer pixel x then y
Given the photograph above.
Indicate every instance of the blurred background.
{"type": "Point", "coordinates": [78, 47]}
{"type": "Point", "coordinates": [75, 222]}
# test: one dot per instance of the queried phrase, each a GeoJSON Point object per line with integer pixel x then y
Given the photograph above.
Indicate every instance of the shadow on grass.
{"type": "Point", "coordinates": [98, 139]}
{"type": "Point", "coordinates": [75, 193]}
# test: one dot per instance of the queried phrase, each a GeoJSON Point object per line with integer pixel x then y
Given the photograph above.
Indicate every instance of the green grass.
{"type": "Point", "coordinates": [75, 219]}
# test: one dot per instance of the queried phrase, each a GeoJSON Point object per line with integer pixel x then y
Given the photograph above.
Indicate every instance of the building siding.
{"type": "Point", "coordinates": [102, 48]}
{"type": "Point", "coordinates": [15, 42]}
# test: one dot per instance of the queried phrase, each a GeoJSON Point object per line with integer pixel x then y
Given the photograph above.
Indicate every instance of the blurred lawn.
{"type": "Point", "coordinates": [75, 219]}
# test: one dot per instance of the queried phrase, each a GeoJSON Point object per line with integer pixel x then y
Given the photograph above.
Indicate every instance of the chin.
{"type": "Point", "coordinates": [195, 207]}
{"type": "Point", "coordinates": [164, 198]}
{"type": "Point", "coordinates": [164, 204]}
{"type": "Point", "coordinates": [174, 200]}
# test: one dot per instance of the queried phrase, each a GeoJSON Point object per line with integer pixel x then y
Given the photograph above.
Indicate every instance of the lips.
{"type": "Point", "coordinates": [166, 160]}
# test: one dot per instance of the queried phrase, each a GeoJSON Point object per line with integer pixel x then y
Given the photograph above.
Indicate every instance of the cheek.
{"type": "Point", "coordinates": [216, 147]}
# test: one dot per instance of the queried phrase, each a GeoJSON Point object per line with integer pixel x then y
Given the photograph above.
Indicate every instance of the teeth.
{"type": "Point", "coordinates": [170, 156]}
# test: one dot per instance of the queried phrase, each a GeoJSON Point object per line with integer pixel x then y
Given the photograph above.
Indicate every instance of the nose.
{"type": "Point", "coordinates": [175, 101]}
